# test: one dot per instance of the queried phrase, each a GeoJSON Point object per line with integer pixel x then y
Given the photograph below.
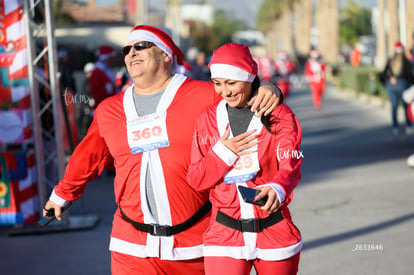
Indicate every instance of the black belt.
{"type": "Point", "coordinates": [249, 225]}
{"type": "Point", "coordinates": [167, 230]}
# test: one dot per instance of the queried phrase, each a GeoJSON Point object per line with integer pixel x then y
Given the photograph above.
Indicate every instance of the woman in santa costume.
{"type": "Point", "coordinates": [315, 70]}
{"type": "Point", "coordinates": [148, 130]}
{"type": "Point", "coordinates": [284, 68]}
{"type": "Point", "coordinates": [233, 148]}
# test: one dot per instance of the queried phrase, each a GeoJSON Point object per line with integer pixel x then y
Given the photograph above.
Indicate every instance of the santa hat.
{"type": "Point", "coordinates": [398, 47]}
{"type": "Point", "coordinates": [89, 67]}
{"type": "Point", "coordinates": [104, 52]}
{"type": "Point", "coordinates": [233, 61]}
{"type": "Point", "coordinates": [160, 38]}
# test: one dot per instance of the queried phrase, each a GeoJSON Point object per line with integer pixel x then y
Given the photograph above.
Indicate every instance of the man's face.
{"type": "Point", "coordinates": [144, 60]}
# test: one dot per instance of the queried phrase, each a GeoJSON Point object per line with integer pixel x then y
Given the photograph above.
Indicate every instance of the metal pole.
{"type": "Point", "coordinates": [403, 21]}
{"type": "Point", "coordinates": [35, 104]}
{"type": "Point", "coordinates": [387, 28]}
{"type": "Point", "coordinates": [176, 22]}
{"type": "Point", "coordinates": [54, 88]}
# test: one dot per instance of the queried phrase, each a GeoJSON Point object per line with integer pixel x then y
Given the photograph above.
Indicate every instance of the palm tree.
{"type": "Point", "coordinates": [272, 10]}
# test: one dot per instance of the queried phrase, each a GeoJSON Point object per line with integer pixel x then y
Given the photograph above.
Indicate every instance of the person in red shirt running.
{"type": "Point", "coordinates": [284, 68]}
{"type": "Point", "coordinates": [315, 69]}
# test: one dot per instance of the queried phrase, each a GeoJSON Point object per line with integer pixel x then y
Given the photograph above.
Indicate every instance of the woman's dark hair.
{"type": "Point", "coordinates": [267, 121]}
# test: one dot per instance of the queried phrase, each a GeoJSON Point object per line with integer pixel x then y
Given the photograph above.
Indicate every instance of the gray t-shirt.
{"type": "Point", "coordinates": [144, 105]}
{"type": "Point", "coordinates": [239, 119]}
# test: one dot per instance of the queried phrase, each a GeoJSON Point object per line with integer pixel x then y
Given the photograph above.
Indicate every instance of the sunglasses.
{"type": "Point", "coordinates": [142, 45]}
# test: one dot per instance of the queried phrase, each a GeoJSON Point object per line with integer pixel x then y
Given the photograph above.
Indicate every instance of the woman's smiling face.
{"type": "Point", "coordinates": [236, 93]}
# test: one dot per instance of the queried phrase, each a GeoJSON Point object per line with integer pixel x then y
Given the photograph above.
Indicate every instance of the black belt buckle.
{"type": "Point", "coordinates": [251, 225]}
{"type": "Point", "coordinates": [160, 230]}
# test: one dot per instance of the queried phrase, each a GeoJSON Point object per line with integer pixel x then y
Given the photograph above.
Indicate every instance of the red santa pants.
{"type": "Point", "coordinates": [317, 90]}
{"type": "Point", "coordinates": [227, 265]}
{"type": "Point", "coordinates": [123, 264]}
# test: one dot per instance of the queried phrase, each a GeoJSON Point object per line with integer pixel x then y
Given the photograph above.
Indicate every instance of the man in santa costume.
{"type": "Point", "coordinates": [315, 70]}
{"type": "Point", "coordinates": [148, 129]}
{"type": "Point", "coordinates": [102, 79]}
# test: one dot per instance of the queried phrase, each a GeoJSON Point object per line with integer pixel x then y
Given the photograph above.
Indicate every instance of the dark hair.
{"type": "Point", "coordinates": [267, 121]}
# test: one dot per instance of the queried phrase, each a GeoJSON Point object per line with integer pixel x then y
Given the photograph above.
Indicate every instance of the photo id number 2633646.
{"type": "Point", "coordinates": [368, 247]}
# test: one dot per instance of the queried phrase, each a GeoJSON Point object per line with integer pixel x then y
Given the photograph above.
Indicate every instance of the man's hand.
{"type": "Point", "coordinates": [51, 205]}
{"type": "Point", "coordinates": [266, 100]}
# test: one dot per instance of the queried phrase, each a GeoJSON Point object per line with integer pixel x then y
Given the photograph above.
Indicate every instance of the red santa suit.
{"type": "Point", "coordinates": [284, 68]}
{"type": "Point", "coordinates": [277, 162]}
{"type": "Point", "coordinates": [266, 68]}
{"type": "Point", "coordinates": [160, 143]}
{"type": "Point", "coordinates": [102, 80]}
{"type": "Point", "coordinates": [315, 75]}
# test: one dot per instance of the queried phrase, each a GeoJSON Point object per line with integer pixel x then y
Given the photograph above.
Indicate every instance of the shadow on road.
{"type": "Point", "coordinates": [328, 240]}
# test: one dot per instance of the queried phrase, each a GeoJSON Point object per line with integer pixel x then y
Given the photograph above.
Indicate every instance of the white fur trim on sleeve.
{"type": "Point", "coordinates": [225, 153]}
{"type": "Point", "coordinates": [58, 200]}
{"type": "Point", "coordinates": [279, 191]}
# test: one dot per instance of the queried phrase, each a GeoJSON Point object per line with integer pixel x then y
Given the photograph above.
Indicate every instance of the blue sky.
{"type": "Point", "coordinates": [243, 9]}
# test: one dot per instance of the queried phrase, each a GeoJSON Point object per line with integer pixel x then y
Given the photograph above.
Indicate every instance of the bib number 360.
{"type": "Point", "coordinates": [147, 133]}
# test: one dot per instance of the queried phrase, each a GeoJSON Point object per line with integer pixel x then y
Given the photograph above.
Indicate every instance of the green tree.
{"type": "Point", "coordinates": [209, 38]}
{"type": "Point", "coordinates": [61, 17]}
{"type": "Point", "coordinates": [224, 27]}
{"type": "Point", "coordinates": [354, 22]}
{"type": "Point", "coordinates": [271, 10]}
{"type": "Point", "coordinates": [202, 36]}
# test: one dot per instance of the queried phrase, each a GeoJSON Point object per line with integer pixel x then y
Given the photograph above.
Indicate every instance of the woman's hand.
{"type": "Point", "coordinates": [241, 143]}
{"type": "Point", "coordinates": [272, 203]}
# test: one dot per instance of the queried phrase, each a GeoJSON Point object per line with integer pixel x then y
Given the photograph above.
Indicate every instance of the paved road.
{"type": "Point", "coordinates": [354, 206]}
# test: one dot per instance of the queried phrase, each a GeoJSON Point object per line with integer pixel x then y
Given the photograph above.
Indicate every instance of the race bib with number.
{"type": "Point", "coordinates": [245, 169]}
{"type": "Point", "coordinates": [147, 133]}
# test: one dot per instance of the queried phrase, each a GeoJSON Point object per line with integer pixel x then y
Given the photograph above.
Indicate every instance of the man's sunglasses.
{"type": "Point", "coordinates": [137, 46]}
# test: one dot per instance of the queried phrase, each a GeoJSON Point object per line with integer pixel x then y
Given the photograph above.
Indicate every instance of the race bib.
{"type": "Point", "coordinates": [245, 168]}
{"type": "Point", "coordinates": [147, 133]}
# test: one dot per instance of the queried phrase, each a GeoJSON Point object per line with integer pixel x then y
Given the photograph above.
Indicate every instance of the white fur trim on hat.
{"type": "Point", "coordinates": [399, 49]}
{"type": "Point", "coordinates": [150, 37]}
{"type": "Point", "coordinates": [230, 72]}
{"type": "Point", "coordinates": [103, 57]}
{"type": "Point", "coordinates": [88, 67]}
